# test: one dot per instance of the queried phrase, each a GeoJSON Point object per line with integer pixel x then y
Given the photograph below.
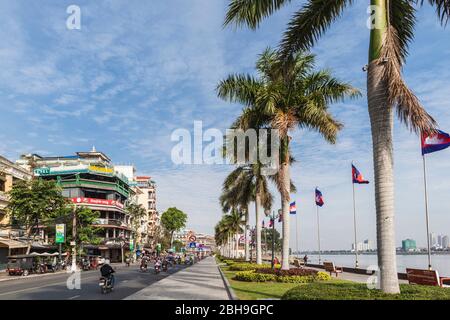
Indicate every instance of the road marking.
{"type": "Point", "coordinates": [35, 288]}
{"type": "Point", "coordinates": [74, 297]}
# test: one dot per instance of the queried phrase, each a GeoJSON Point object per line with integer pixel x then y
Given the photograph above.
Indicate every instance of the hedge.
{"type": "Point", "coordinates": [252, 276]}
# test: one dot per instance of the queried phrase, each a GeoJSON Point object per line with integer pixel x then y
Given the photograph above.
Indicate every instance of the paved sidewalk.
{"type": "Point", "coordinates": [355, 277]}
{"type": "Point", "coordinates": [202, 281]}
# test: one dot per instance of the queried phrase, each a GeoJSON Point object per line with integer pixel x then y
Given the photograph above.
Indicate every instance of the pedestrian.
{"type": "Point", "coordinates": [305, 259]}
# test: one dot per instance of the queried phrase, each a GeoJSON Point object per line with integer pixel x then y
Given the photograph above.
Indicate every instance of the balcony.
{"type": "Point", "coordinates": [111, 222]}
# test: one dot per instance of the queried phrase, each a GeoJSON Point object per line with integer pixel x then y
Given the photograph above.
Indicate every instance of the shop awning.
{"type": "Point", "coordinates": [12, 244]}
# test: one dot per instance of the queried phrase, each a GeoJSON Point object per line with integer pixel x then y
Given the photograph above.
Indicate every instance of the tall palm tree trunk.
{"type": "Point", "coordinates": [382, 124]}
{"type": "Point", "coordinates": [237, 245]}
{"type": "Point", "coordinates": [247, 249]}
{"type": "Point", "coordinates": [285, 174]}
{"type": "Point", "coordinates": [258, 229]}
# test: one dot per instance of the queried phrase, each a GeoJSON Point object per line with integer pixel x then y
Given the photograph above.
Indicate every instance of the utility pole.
{"type": "Point", "coordinates": [74, 241]}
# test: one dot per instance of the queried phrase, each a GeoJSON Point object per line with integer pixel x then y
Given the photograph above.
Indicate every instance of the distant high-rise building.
{"type": "Point", "coordinates": [366, 245]}
{"type": "Point", "coordinates": [409, 245]}
{"type": "Point", "coordinates": [445, 242]}
{"type": "Point", "coordinates": [439, 240]}
{"type": "Point", "coordinates": [433, 241]}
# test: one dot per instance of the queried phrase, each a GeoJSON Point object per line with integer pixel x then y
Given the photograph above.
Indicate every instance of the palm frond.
{"type": "Point", "coordinates": [239, 88]}
{"type": "Point", "coordinates": [251, 12]}
{"type": "Point", "coordinates": [442, 9]}
{"type": "Point", "coordinates": [409, 109]}
{"type": "Point", "coordinates": [310, 23]}
{"type": "Point", "coordinates": [403, 18]}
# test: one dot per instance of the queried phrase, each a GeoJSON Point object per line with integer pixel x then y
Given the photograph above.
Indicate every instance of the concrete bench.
{"type": "Point", "coordinates": [331, 268]}
{"type": "Point", "coordinates": [426, 278]}
{"type": "Point", "coordinates": [298, 263]}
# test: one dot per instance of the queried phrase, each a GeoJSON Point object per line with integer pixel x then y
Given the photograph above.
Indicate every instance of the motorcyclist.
{"type": "Point", "coordinates": [144, 262]}
{"type": "Point", "coordinates": [107, 272]}
{"type": "Point", "coordinates": [165, 264]}
{"type": "Point", "coordinates": [158, 264]}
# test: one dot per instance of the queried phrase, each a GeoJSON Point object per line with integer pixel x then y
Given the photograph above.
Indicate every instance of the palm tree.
{"type": "Point", "coordinates": [238, 193]}
{"type": "Point", "coordinates": [390, 37]}
{"type": "Point", "coordinates": [286, 96]}
{"type": "Point", "coordinates": [234, 224]}
{"type": "Point", "coordinates": [244, 185]}
{"type": "Point", "coordinates": [220, 236]}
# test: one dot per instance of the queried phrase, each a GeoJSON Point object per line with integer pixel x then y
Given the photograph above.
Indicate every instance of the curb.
{"type": "Point", "coordinates": [31, 276]}
{"type": "Point", "coordinates": [230, 290]}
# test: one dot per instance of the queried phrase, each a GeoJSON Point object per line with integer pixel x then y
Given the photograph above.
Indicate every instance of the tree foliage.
{"type": "Point", "coordinates": [33, 202]}
{"type": "Point", "coordinates": [173, 220]}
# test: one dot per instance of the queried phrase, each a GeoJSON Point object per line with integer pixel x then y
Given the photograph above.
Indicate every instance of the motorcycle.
{"type": "Point", "coordinates": [86, 265]}
{"type": "Point", "coordinates": [144, 267]}
{"type": "Point", "coordinates": [106, 284]}
{"type": "Point", "coordinates": [165, 266]}
{"type": "Point", "coordinates": [157, 268]}
{"type": "Point", "coordinates": [127, 262]}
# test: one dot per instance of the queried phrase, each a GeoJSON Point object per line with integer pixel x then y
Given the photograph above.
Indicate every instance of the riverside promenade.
{"type": "Point", "coordinates": [202, 281]}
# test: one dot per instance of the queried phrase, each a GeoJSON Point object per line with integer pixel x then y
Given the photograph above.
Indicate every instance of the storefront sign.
{"type": "Point", "coordinates": [131, 245]}
{"type": "Point", "coordinates": [60, 233]}
{"type": "Point", "coordinates": [100, 202]}
{"type": "Point", "coordinates": [101, 169]}
{"type": "Point", "coordinates": [42, 171]}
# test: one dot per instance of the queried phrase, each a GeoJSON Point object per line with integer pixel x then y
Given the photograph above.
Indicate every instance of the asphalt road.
{"type": "Point", "coordinates": [54, 287]}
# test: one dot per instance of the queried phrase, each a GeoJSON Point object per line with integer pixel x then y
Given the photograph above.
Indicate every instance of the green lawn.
{"type": "Point", "coordinates": [330, 290]}
{"type": "Point", "coordinates": [255, 290]}
{"type": "Point", "coordinates": [345, 290]}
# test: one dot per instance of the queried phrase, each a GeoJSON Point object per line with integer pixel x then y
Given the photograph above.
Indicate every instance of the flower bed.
{"type": "Point", "coordinates": [265, 276]}
{"type": "Point", "coordinates": [291, 272]}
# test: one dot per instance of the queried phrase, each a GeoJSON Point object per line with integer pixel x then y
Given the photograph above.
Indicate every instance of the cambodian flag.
{"type": "Point", "coordinates": [271, 223]}
{"type": "Point", "coordinates": [293, 208]}
{"type": "Point", "coordinates": [263, 224]}
{"type": "Point", "coordinates": [357, 176]}
{"type": "Point", "coordinates": [319, 198]}
{"type": "Point", "coordinates": [435, 142]}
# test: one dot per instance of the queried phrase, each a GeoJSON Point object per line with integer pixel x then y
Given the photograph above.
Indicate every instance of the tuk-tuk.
{"type": "Point", "coordinates": [20, 265]}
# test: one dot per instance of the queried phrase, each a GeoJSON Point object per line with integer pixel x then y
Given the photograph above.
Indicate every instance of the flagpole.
{"type": "Point", "coordinates": [426, 211]}
{"type": "Point", "coordinates": [318, 233]}
{"type": "Point", "coordinates": [296, 231]}
{"type": "Point", "coordinates": [354, 226]}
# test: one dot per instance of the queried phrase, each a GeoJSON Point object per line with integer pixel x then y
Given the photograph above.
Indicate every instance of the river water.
{"type": "Point", "coordinates": [440, 262]}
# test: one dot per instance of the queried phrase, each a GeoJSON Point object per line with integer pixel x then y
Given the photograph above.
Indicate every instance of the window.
{"type": "Point", "coordinates": [2, 185]}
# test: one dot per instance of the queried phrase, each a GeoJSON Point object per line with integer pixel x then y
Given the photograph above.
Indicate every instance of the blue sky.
{"type": "Point", "coordinates": [137, 70]}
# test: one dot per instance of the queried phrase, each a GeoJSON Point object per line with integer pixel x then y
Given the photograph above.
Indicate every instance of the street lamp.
{"type": "Point", "coordinates": [273, 217]}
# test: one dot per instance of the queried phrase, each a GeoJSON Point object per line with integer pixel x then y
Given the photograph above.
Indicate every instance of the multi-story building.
{"type": "Point", "coordinates": [205, 241]}
{"type": "Point", "coordinates": [10, 174]}
{"type": "Point", "coordinates": [145, 195]}
{"type": "Point", "coordinates": [89, 180]}
{"type": "Point", "coordinates": [150, 223]}
{"type": "Point", "coordinates": [409, 245]}
{"type": "Point", "coordinates": [445, 242]}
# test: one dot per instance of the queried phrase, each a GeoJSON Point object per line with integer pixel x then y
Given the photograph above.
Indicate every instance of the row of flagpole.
{"type": "Point", "coordinates": [429, 143]}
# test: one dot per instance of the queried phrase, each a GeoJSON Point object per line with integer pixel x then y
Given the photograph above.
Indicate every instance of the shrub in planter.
{"type": "Point", "coordinates": [251, 276]}
{"type": "Point", "coordinates": [295, 279]}
{"type": "Point", "coordinates": [247, 266]}
{"type": "Point", "coordinates": [323, 276]}
{"type": "Point", "coordinates": [290, 272]}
